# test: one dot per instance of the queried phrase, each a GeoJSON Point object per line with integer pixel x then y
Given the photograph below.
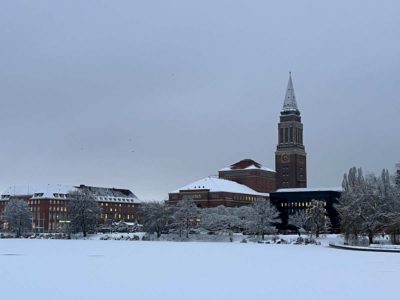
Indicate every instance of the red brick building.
{"type": "Point", "coordinates": [290, 165]}
{"type": "Point", "coordinates": [251, 174]}
{"type": "Point", "coordinates": [49, 209]}
{"type": "Point", "coordinates": [212, 192]}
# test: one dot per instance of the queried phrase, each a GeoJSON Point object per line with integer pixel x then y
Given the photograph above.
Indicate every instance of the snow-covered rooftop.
{"type": "Point", "coordinates": [48, 190]}
{"type": "Point", "coordinates": [252, 167]}
{"type": "Point", "coordinates": [311, 189]}
{"type": "Point", "coordinates": [220, 185]}
{"type": "Point", "coordinates": [247, 164]}
{"type": "Point", "coordinates": [59, 191]}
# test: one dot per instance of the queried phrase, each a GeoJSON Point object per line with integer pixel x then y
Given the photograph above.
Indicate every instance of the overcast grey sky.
{"type": "Point", "coordinates": [151, 95]}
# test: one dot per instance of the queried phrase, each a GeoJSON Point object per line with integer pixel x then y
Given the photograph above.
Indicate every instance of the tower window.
{"type": "Point", "coordinates": [301, 136]}
{"type": "Point", "coordinates": [291, 134]}
{"type": "Point", "coordinates": [286, 135]}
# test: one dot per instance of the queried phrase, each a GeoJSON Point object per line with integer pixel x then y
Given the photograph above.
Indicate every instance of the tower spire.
{"type": "Point", "coordinates": [290, 155]}
{"type": "Point", "coordinates": [290, 104]}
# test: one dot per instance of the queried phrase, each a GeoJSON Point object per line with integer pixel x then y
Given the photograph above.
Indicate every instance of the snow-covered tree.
{"type": "Point", "coordinates": [347, 208]}
{"type": "Point", "coordinates": [83, 210]}
{"type": "Point", "coordinates": [244, 214]}
{"type": "Point", "coordinates": [299, 220]}
{"type": "Point", "coordinates": [368, 204]}
{"type": "Point", "coordinates": [314, 219]}
{"type": "Point", "coordinates": [261, 217]}
{"type": "Point", "coordinates": [18, 215]}
{"type": "Point", "coordinates": [397, 175]}
{"type": "Point", "coordinates": [155, 217]}
{"type": "Point", "coordinates": [213, 219]}
{"type": "Point", "coordinates": [317, 218]}
{"type": "Point", "coordinates": [185, 216]}
{"type": "Point", "coordinates": [220, 219]}
{"type": "Point", "coordinates": [390, 191]}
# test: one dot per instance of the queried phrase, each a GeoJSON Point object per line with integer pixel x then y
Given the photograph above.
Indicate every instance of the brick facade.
{"type": "Point", "coordinates": [251, 174]}
{"type": "Point", "coordinates": [205, 198]}
{"type": "Point", "coordinates": [49, 210]}
{"type": "Point", "coordinates": [290, 155]}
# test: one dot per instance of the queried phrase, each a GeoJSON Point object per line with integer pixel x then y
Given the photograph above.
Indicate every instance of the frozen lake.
{"type": "Point", "coordinates": [93, 269]}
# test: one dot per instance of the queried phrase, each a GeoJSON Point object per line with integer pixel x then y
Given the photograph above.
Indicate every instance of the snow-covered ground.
{"type": "Point", "coordinates": [95, 269]}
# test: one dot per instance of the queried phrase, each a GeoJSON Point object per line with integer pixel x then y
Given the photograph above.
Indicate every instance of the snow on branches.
{"type": "Point", "coordinates": [261, 217]}
{"type": "Point", "coordinates": [185, 216]}
{"type": "Point", "coordinates": [83, 210]}
{"type": "Point", "coordinates": [368, 205]}
{"type": "Point", "coordinates": [155, 217]}
{"type": "Point", "coordinates": [314, 219]}
{"type": "Point", "coordinates": [18, 215]}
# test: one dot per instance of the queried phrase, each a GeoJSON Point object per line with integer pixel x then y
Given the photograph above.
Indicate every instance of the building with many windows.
{"type": "Point", "coordinates": [48, 204]}
{"type": "Point", "coordinates": [289, 201]}
{"type": "Point", "coordinates": [286, 186]}
{"type": "Point", "coordinates": [290, 161]}
{"type": "Point", "coordinates": [213, 191]}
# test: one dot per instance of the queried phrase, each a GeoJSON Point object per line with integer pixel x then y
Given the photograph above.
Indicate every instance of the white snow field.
{"type": "Point", "coordinates": [94, 269]}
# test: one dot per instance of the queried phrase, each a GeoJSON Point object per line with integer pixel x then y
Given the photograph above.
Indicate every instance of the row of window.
{"type": "Point", "coordinates": [56, 202]}
{"type": "Point", "coordinates": [115, 199]}
{"type": "Point", "coordinates": [245, 198]}
{"type": "Point", "coordinates": [298, 204]}
{"type": "Point", "coordinates": [35, 202]}
{"type": "Point", "coordinates": [53, 208]}
{"type": "Point", "coordinates": [116, 216]}
{"type": "Point", "coordinates": [65, 196]}
{"type": "Point", "coordinates": [118, 205]}
{"type": "Point", "coordinates": [290, 135]}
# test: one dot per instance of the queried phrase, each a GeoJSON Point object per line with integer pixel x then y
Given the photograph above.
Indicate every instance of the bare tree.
{"type": "Point", "coordinates": [83, 210]}
{"type": "Point", "coordinates": [185, 216]}
{"type": "Point", "coordinates": [155, 217]}
{"type": "Point", "coordinates": [18, 215]}
{"type": "Point", "coordinates": [261, 218]}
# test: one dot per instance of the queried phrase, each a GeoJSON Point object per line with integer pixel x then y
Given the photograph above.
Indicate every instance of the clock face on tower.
{"type": "Point", "coordinates": [285, 158]}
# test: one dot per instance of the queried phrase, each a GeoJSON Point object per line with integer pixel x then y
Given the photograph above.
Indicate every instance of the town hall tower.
{"type": "Point", "coordinates": [290, 155]}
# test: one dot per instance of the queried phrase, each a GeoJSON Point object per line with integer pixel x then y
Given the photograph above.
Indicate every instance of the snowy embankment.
{"type": "Point", "coordinates": [94, 269]}
{"type": "Point", "coordinates": [372, 247]}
